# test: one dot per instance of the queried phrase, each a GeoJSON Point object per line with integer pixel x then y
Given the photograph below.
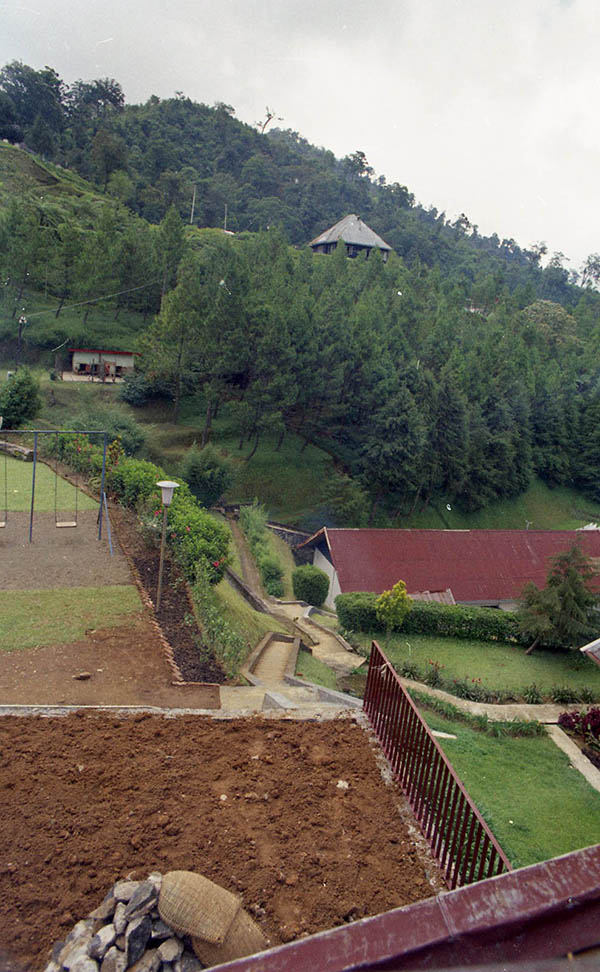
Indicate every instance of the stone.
{"type": "Point", "coordinates": [160, 930]}
{"type": "Point", "coordinates": [142, 900]}
{"type": "Point", "coordinates": [55, 967]}
{"type": "Point", "coordinates": [102, 941]}
{"type": "Point", "coordinates": [82, 676]}
{"type": "Point", "coordinates": [170, 950]}
{"type": "Point", "coordinates": [188, 963]}
{"type": "Point", "coordinates": [72, 951]}
{"type": "Point", "coordinates": [81, 929]}
{"type": "Point", "coordinates": [114, 961]}
{"type": "Point", "coordinates": [124, 890]}
{"type": "Point", "coordinates": [106, 909]}
{"type": "Point", "coordinates": [56, 950]}
{"type": "Point", "coordinates": [149, 962]}
{"type": "Point", "coordinates": [84, 964]}
{"type": "Point", "coordinates": [119, 919]}
{"type": "Point", "coordinates": [156, 879]}
{"type": "Point", "coordinates": [136, 936]}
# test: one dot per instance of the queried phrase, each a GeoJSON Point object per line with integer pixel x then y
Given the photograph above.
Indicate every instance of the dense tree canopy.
{"type": "Point", "coordinates": [451, 374]}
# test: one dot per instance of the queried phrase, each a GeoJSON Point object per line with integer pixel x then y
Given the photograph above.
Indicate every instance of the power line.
{"type": "Point", "coordinates": [82, 303]}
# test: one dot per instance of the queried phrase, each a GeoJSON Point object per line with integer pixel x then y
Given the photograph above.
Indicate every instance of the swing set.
{"type": "Point", "coordinates": [60, 520]}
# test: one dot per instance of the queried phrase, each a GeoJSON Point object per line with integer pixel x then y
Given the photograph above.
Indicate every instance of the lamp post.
{"type": "Point", "coordinates": [167, 489]}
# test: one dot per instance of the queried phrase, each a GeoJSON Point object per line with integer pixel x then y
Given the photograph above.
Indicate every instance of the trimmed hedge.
{"type": "Point", "coordinates": [357, 612]}
{"type": "Point", "coordinates": [310, 584]}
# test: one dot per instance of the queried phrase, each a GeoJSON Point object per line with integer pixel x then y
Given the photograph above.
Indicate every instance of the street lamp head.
{"type": "Point", "coordinates": [167, 489]}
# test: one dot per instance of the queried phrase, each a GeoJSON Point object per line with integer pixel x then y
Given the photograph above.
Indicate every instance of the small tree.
{"type": "Point", "coordinates": [563, 612]}
{"type": "Point", "coordinates": [391, 608]}
{"type": "Point", "coordinates": [19, 399]}
{"type": "Point", "coordinates": [207, 473]}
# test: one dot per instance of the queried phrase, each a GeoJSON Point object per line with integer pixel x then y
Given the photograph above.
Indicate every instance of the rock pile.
{"type": "Point", "coordinates": [125, 934]}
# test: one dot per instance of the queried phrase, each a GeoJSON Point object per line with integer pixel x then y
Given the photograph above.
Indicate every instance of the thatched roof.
{"type": "Point", "coordinates": [351, 229]}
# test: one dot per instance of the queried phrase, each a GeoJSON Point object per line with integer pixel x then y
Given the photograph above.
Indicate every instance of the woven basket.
{"type": "Point", "coordinates": [243, 938]}
{"type": "Point", "coordinates": [192, 905]}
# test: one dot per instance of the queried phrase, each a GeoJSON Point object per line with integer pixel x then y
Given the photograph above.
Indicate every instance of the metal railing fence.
{"type": "Point", "coordinates": [459, 837]}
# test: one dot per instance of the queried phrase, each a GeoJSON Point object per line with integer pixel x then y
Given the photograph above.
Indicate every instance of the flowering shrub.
{"type": "Point", "coordinates": [583, 723]}
{"type": "Point", "coordinates": [195, 537]}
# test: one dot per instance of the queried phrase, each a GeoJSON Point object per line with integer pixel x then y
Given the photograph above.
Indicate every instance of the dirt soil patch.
{"type": "Point", "coordinates": [58, 557]}
{"type": "Point", "coordinates": [253, 804]}
{"type": "Point", "coordinates": [127, 664]}
{"type": "Point", "coordinates": [195, 661]}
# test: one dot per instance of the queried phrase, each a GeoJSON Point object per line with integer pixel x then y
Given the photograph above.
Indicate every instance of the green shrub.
{"type": "Point", "coordinates": [228, 646]}
{"type": "Point", "coordinates": [253, 521]}
{"type": "Point", "coordinates": [115, 421]}
{"type": "Point", "coordinates": [358, 612]}
{"type": "Point", "coordinates": [20, 399]}
{"type": "Point", "coordinates": [134, 480]}
{"type": "Point", "coordinates": [207, 473]}
{"type": "Point", "coordinates": [136, 390]}
{"type": "Point", "coordinates": [196, 538]}
{"type": "Point", "coordinates": [310, 584]}
{"type": "Point", "coordinates": [271, 573]}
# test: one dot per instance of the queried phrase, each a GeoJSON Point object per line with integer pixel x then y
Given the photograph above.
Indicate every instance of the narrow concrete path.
{"type": "Point", "coordinates": [324, 645]}
{"type": "Point", "coordinates": [273, 662]}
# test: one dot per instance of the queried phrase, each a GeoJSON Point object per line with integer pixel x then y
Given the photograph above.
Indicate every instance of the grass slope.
{"type": "Point", "coordinates": [251, 625]}
{"type": "Point", "coordinates": [540, 507]}
{"type": "Point", "coordinates": [537, 805]}
{"type": "Point", "coordinates": [60, 616]}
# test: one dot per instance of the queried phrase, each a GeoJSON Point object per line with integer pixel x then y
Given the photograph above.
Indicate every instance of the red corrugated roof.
{"type": "Point", "coordinates": [477, 565]}
{"type": "Point", "coordinates": [103, 351]}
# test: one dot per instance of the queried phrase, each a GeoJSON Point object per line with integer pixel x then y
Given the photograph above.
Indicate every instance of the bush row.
{"type": "Point", "coordinates": [473, 689]}
{"type": "Point", "coordinates": [219, 635]}
{"type": "Point", "coordinates": [253, 521]}
{"type": "Point", "coordinates": [480, 723]}
{"type": "Point", "coordinates": [192, 534]}
{"type": "Point", "coordinates": [357, 612]}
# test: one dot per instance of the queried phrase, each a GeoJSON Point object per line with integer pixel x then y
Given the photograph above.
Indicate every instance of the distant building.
{"type": "Point", "coordinates": [101, 363]}
{"type": "Point", "coordinates": [487, 568]}
{"type": "Point", "coordinates": [355, 234]}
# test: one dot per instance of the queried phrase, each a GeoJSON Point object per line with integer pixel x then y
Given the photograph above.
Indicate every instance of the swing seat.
{"type": "Point", "coordinates": [69, 523]}
{"type": "Point", "coordinates": [2, 524]}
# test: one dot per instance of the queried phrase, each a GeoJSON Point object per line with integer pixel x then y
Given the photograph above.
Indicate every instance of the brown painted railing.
{"type": "Point", "coordinates": [460, 839]}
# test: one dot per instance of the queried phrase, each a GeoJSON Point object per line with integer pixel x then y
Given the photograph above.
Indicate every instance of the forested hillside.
{"type": "Point", "coordinates": [455, 372]}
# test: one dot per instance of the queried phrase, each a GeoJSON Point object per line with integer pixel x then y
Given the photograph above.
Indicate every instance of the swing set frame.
{"type": "Point", "coordinates": [55, 432]}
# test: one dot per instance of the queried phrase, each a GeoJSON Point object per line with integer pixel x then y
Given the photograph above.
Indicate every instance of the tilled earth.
{"type": "Point", "coordinates": [253, 804]}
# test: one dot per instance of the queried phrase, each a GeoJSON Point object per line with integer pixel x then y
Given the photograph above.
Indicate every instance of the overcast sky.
{"type": "Point", "coordinates": [488, 107]}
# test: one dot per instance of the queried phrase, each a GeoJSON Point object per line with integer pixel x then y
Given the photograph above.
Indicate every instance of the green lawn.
{"type": "Point", "coordinates": [499, 666]}
{"type": "Point", "coordinates": [543, 508]}
{"type": "Point", "coordinates": [536, 805]}
{"type": "Point", "coordinates": [61, 616]}
{"type": "Point", "coordinates": [18, 488]}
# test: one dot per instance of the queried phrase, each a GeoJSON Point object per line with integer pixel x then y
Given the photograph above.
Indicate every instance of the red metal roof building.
{"type": "Point", "coordinates": [487, 567]}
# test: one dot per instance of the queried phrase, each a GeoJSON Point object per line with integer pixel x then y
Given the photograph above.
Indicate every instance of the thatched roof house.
{"type": "Point", "coordinates": [355, 234]}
